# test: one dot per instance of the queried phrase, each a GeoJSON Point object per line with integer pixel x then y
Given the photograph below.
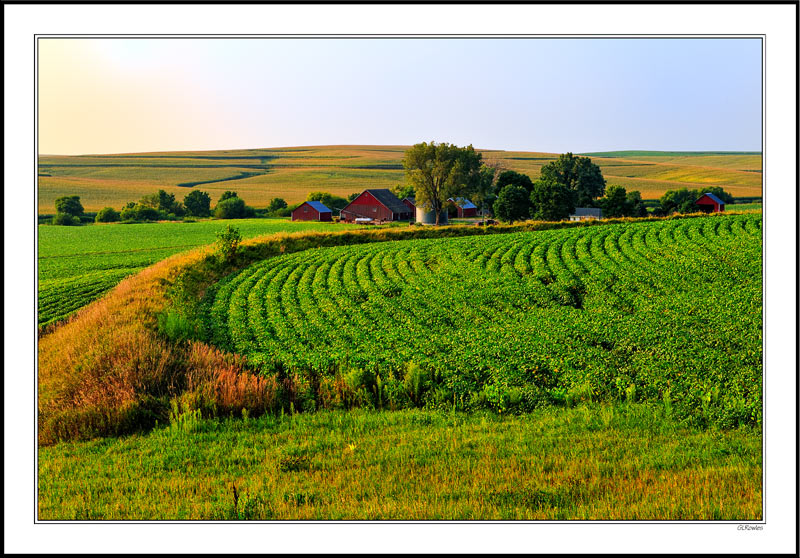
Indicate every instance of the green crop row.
{"type": "Point", "coordinates": [667, 310]}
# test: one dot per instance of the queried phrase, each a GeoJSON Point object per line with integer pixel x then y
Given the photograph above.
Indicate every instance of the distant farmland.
{"type": "Point", "coordinates": [261, 174]}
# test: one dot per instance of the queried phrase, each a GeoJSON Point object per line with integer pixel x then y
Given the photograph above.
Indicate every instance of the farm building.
{"type": "Point", "coordinates": [411, 204]}
{"type": "Point", "coordinates": [378, 204]}
{"type": "Point", "coordinates": [426, 216]}
{"type": "Point", "coordinates": [464, 207]}
{"type": "Point", "coordinates": [586, 213]}
{"type": "Point", "coordinates": [710, 203]}
{"type": "Point", "coordinates": [312, 211]}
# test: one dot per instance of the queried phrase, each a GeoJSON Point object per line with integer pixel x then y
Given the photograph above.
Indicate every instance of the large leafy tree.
{"type": "Point", "coordinates": [512, 203]}
{"type": "Point", "coordinates": [481, 191]}
{"type": "Point", "coordinates": [403, 191]}
{"type": "Point", "coordinates": [615, 203]}
{"type": "Point", "coordinates": [551, 200]}
{"type": "Point", "coordinates": [514, 177]}
{"type": "Point", "coordinates": [636, 204]}
{"type": "Point", "coordinates": [439, 171]}
{"type": "Point", "coordinates": [619, 203]}
{"type": "Point", "coordinates": [578, 174]}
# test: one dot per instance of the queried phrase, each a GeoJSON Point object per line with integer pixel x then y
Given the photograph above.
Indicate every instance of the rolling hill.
{"type": "Point", "coordinates": [259, 175]}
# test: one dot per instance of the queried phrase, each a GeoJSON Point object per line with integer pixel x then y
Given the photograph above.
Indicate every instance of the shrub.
{"type": "Point", "coordinates": [228, 241]}
{"type": "Point", "coordinates": [197, 203]}
{"type": "Point", "coordinates": [70, 205]}
{"type": "Point", "coordinates": [164, 202]}
{"type": "Point", "coordinates": [277, 203]}
{"type": "Point", "coordinates": [107, 215]}
{"type": "Point", "coordinates": [233, 208]}
{"type": "Point", "coordinates": [140, 212]}
{"type": "Point", "coordinates": [66, 220]}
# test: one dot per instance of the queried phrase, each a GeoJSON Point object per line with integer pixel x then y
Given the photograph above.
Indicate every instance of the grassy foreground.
{"type": "Point", "coordinates": [622, 462]}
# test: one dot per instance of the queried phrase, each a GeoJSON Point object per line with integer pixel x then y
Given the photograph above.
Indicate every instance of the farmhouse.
{"type": "Point", "coordinates": [586, 213]}
{"type": "Point", "coordinates": [464, 207]}
{"type": "Point", "coordinates": [312, 211]}
{"type": "Point", "coordinates": [378, 204]}
{"type": "Point", "coordinates": [710, 203]}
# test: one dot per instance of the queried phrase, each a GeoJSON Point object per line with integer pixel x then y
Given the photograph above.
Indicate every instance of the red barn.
{"type": "Point", "coordinates": [378, 204]}
{"type": "Point", "coordinates": [710, 203]}
{"type": "Point", "coordinates": [411, 204]}
{"type": "Point", "coordinates": [464, 207]}
{"type": "Point", "coordinates": [312, 211]}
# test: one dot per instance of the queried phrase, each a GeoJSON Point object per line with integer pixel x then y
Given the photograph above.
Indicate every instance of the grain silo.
{"type": "Point", "coordinates": [429, 217]}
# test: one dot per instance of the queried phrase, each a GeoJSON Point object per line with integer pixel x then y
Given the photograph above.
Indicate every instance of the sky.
{"type": "Point", "coordinates": [550, 95]}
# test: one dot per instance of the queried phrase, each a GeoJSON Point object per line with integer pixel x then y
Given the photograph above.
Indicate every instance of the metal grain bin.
{"type": "Point", "coordinates": [429, 217]}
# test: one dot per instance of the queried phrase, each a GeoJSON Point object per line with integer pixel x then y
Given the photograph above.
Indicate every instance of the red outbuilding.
{"type": "Point", "coordinates": [411, 204]}
{"type": "Point", "coordinates": [312, 211]}
{"type": "Point", "coordinates": [464, 207]}
{"type": "Point", "coordinates": [378, 204]}
{"type": "Point", "coordinates": [710, 203]}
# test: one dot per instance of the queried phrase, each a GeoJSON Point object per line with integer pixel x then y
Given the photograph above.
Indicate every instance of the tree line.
{"type": "Point", "coordinates": [436, 172]}
{"type": "Point", "coordinates": [163, 206]}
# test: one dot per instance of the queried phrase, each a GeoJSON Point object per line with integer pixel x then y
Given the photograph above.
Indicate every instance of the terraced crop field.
{"type": "Point", "coordinates": [667, 310]}
{"type": "Point", "coordinates": [79, 264]}
{"type": "Point", "coordinates": [259, 175]}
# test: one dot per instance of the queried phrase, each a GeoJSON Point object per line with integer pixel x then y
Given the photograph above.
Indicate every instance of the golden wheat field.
{"type": "Point", "coordinates": [259, 175]}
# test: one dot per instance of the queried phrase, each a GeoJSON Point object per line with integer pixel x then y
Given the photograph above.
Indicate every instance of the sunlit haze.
{"type": "Point", "coordinates": [553, 95]}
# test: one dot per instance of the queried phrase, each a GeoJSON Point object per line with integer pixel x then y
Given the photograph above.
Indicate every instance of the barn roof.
{"type": "Point", "coordinates": [464, 203]}
{"type": "Point", "coordinates": [392, 202]}
{"type": "Point", "coordinates": [319, 206]}
{"type": "Point", "coordinates": [587, 212]}
{"type": "Point", "coordinates": [412, 199]}
{"type": "Point", "coordinates": [713, 197]}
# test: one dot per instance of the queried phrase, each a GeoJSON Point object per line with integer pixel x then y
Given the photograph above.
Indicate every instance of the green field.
{"type": "Point", "coordinates": [608, 370]}
{"type": "Point", "coordinates": [664, 309]}
{"type": "Point", "coordinates": [745, 207]}
{"type": "Point", "coordinates": [623, 462]}
{"type": "Point", "coordinates": [259, 175]}
{"type": "Point", "coordinates": [79, 264]}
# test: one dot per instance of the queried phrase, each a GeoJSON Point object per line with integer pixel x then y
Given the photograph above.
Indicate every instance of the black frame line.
{"type": "Point", "coordinates": [179, 36]}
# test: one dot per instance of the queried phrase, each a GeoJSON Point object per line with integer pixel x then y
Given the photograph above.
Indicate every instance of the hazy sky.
{"type": "Point", "coordinates": [555, 95]}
